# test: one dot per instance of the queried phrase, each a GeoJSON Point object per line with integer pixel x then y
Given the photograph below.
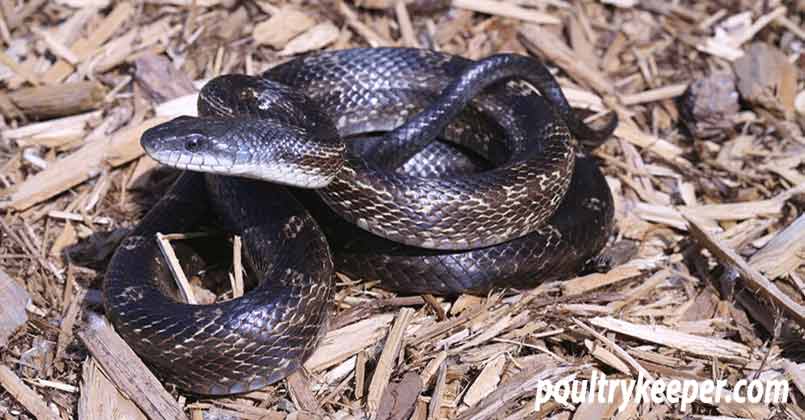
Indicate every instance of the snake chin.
{"type": "Point", "coordinates": [277, 173]}
{"type": "Point", "coordinates": [280, 173]}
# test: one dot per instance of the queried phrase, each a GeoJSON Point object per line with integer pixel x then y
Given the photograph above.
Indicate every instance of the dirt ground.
{"type": "Point", "coordinates": [707, 166]}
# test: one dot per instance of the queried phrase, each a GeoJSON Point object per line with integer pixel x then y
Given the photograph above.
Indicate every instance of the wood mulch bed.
{"type": "Point", "coordinates": [707, 168]}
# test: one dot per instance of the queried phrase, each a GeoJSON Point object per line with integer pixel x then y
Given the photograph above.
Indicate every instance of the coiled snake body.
{"type": "Point", "coordinates": [460, 177]}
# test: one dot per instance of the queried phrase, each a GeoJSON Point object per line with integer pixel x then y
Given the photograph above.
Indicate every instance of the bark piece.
{"type": "Point", "coordinates": [542, 42]}
{"type": "Point", "coordinates": [399, 399]}
{"type": "Point", "coordinates": [100, 399]}
{"type": "Point", "coordinates": [506, 9]}
{"type": "Point", "coordinates": [343, 343]}
{"type": "Point", "coordinates": [128, 372]}
{"type": "Point", "coordinates": [157, 75]}
{"type": "Point", "coordinates": [314, 38]}
{"type": "Point", "coordinates": [25, 395]}
{"type": "Point", "coordinates": [386, 363]}
{"type": "Point", "coordinates": [13, 300]}
{"type": "Point", "coordinates": [704, 346]}
{"type": "Point", "coordinates": [283, 26]}
{"type": "Point", "coordinates": [709, 104]}
{"type": "Point", "coordinates": [58, 100]}
{"type": "Point", "coordinates": [754, 279]}
{"type": "Point", "coordinates": [782, 254]}
{"type": "Point", "coordinates": [765, 77]}
{"type": "Point", "coordinates": [486, 382]}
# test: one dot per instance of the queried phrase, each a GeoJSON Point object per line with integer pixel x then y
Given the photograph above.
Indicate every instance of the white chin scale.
{"type": "Point", "coordinates": [191, 162]}
{"type": "Point", "coordinates": [290, 175]}
{"type": "Point", "coordinates": [278, 173]}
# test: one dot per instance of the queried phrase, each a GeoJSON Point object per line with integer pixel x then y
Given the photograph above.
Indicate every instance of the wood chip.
{"type": "Point", "coordinates": [486, 381]}
{"type": "Point", "coordinates": [76, 168]}
{"type": "Point", "coordinates": [69, 322]}
{"type": "Point", "coordinates": [25, 395]}
{"type": "Point", "coordinates": [58, 100]}
{"type": "Point", "coordinates": [703, 346]}
{"type": "Point", "coordinates": [100, 399]}
{"type": "Point", "coordinates": [524, 383]}
{"type": "Point", "coordinates": [354, 22]}
{"type": "Point", "coordinates": [128, 372]}
{"type": "Point", "coordinates": [67, 237]}
{"type": "Point", "coordinates": [74, 123]}
{"type": "Point", "coordinates": [385, 364]}
{"type": "Point", "coordinates": [13, 301]}
{"type": "Point", "coordinates": [709, 104]}
{"type": "Point", "coordinates": [343, 343]}
{"type": "Point", "coordinates": [283, 26]}
{"type": "Point", "coordinates": [84, 47]}
{"type": "Point", "coordinates": [607, 357]}
{"type": "Point", "coordinates": [433, 367]}
{"type": "Point", "coordinates": [438, 392]}
{"type": "Point", "coordinates": [399, 399]}
{"type": "Point", "coordinates": [658, 94]}
{"type": "Point", "coordinates": [782, 255]}
{"type": "Point", "coordinates": [56, 47]}
{"type": "Point", "coordinates": [161, 79]}
{"type": "Point", "coordinates": [630, 132]}
{"type": "Point", "coordinates": [641, 291]}
{"type": "Point", "coordinates": [176, 269]}
{"type": "Point", "coordinates": [727, 41]}
{"type": "Point", "coordinates": [542, 42]}
{"type": "Point", "coordinates": [406, 27]}
{"type": "Point", "coordinates": [617, 350]}
{"type": "Point", "coordinates": [314, 38]}
{"type": "Point", "coordinates": [505, 9]}
{"type": "Point", "coordinates": [796, 373]}
{"type": "Point", "coordinates": [584, 284]}
{"type": "Point", "coordinates": [765, 76]}
{"type": "Point", "coordinates": [754, 279]}
{"type": "Point", "coordinates": [66, 184]}
{"type": "Point", "coordinates": [299, 386]}
{"type": "Point", "coordinates": [17, 69]}
{"type": "Point", "coordinates": [360, 375]}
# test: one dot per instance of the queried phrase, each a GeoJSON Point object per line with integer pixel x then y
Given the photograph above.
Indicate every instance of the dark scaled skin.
{"type": "Point", "coordinates": [584, 217]}
{"type": "Point", "coordinates": [237, 345]}
{"type": "Point", "coordinates": [354, 92]}
{"type": "Point", "coordinates": [497, 134]}
{"type": "Point", "coordinates": [476, 210]}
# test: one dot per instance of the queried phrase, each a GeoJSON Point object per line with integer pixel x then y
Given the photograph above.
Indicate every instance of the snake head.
{"type": "Point", "coordinates": [245, 146]}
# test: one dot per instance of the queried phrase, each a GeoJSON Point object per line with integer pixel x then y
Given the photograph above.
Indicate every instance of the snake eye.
{"type": "Point", "coordinates": [193, 144]}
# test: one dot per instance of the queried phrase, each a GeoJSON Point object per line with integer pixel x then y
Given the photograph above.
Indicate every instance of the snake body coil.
{"type": "Point", "coordinates": [469, 185]}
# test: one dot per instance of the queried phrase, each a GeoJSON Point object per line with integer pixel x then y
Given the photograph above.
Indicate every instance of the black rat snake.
{"type": "Point", "coordinates": [460, 176]}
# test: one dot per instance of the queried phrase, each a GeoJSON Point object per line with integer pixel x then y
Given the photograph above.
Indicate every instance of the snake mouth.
{"type": "Point", "coordinates": [278, 173]}
{"type": "Point", "coordinates": [192, 162]}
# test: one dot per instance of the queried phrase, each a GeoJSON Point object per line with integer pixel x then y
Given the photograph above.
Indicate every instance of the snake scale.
{"type": "Point", "coordinates": [430, 172]}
